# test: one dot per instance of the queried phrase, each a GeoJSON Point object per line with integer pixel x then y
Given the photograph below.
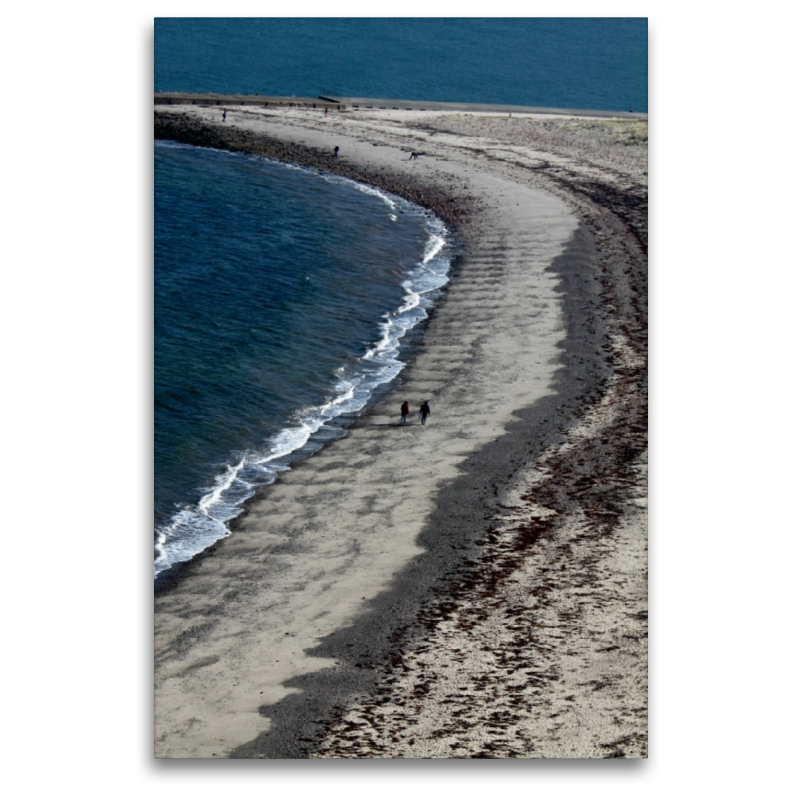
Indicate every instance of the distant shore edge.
{"type": "Point", "coordinates": [355, 103]}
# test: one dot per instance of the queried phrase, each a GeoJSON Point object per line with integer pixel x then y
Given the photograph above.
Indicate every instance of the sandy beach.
{"type": "Point", "coordinates": [475, 587]}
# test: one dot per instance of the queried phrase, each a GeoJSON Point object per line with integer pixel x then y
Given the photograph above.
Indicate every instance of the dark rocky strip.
{"type": "Point", "coordinates": [185, 129]}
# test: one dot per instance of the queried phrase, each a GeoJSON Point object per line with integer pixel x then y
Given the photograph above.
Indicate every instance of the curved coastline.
{"type": "Point", "coordinates": [449, 209]}
{"type": "Point", "coordinates": [326, 426]}
{"type": "Point", "coordinates": [381, 607]}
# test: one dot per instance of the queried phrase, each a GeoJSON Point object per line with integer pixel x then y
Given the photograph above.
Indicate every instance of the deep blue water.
{"type": "Point", "coordinates": [280, 298]}
{"type": "Point", "coordinates": [555, 62]}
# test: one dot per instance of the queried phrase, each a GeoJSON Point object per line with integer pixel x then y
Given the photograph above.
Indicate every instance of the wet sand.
{"type": "Point", "coordinates": [474, 587]}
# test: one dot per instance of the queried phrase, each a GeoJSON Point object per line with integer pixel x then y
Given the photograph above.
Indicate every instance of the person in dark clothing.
{"type": "Point", "coordinates": [404, 409]}
{"type": "Point", "coordinates": [424, 411]}
{"type": "Point", "coordinates": [336, 151]}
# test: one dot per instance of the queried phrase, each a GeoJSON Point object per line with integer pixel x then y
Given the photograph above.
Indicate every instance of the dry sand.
{"type": "Point", "coordinates": [476, 587]}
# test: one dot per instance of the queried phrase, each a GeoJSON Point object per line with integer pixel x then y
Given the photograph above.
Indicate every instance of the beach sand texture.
{"type": "Point", "coordinates": [474, 587]}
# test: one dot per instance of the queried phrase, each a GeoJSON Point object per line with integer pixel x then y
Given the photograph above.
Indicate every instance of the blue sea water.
{"type": "Point", "coordinates": [281, 296]}
{"type": "Point", "coordinates": [591, 63]}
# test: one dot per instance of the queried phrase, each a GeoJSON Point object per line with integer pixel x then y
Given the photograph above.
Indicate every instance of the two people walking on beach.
{"type": "Point", "coordinates": [424, 412]}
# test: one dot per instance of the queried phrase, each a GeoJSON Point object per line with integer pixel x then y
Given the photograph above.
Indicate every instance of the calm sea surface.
{"type": "Point", "coordinates": [564, 63]}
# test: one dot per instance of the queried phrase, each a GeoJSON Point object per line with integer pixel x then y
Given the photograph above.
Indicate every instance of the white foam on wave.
{"type": "Point", "coordinates": [192, 530]}
{"type": "Point", "coordinates": [433, 247]}
{"type": "Point", "coordinates": [222, 483]}
{"type": "Point", "coordinates": [391, 201]}
{"type": "Point", "coordinates": [384, 341]}
{"type": "Point", "coordinates": [371, 190]}
{"type": "Point", "coordinates": [412, 301]}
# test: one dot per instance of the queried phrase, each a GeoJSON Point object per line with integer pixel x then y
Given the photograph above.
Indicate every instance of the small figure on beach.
{"type": "Point", "coordinates": [326, 111]}
{"type": "Point", "coordinates": [413, 155]}
{"type": "Point", "coordinates": [336, 151]}
{"type": "Point", "coordinates": [424, 411]}
{"type": "Point", "coordinates": [224, 115]}
{"type": "Point", "coordinates": [404, 411]}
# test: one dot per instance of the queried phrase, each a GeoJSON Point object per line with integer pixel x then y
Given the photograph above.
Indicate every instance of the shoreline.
{"type": "Point", "coordinates": [208, 99]}
{"type": "Point", "coordinates": [359, 578]}
{"type": "Point", "coordinates": [337, 426]}
{"type": "Point", "coordinates": [427, 199]}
